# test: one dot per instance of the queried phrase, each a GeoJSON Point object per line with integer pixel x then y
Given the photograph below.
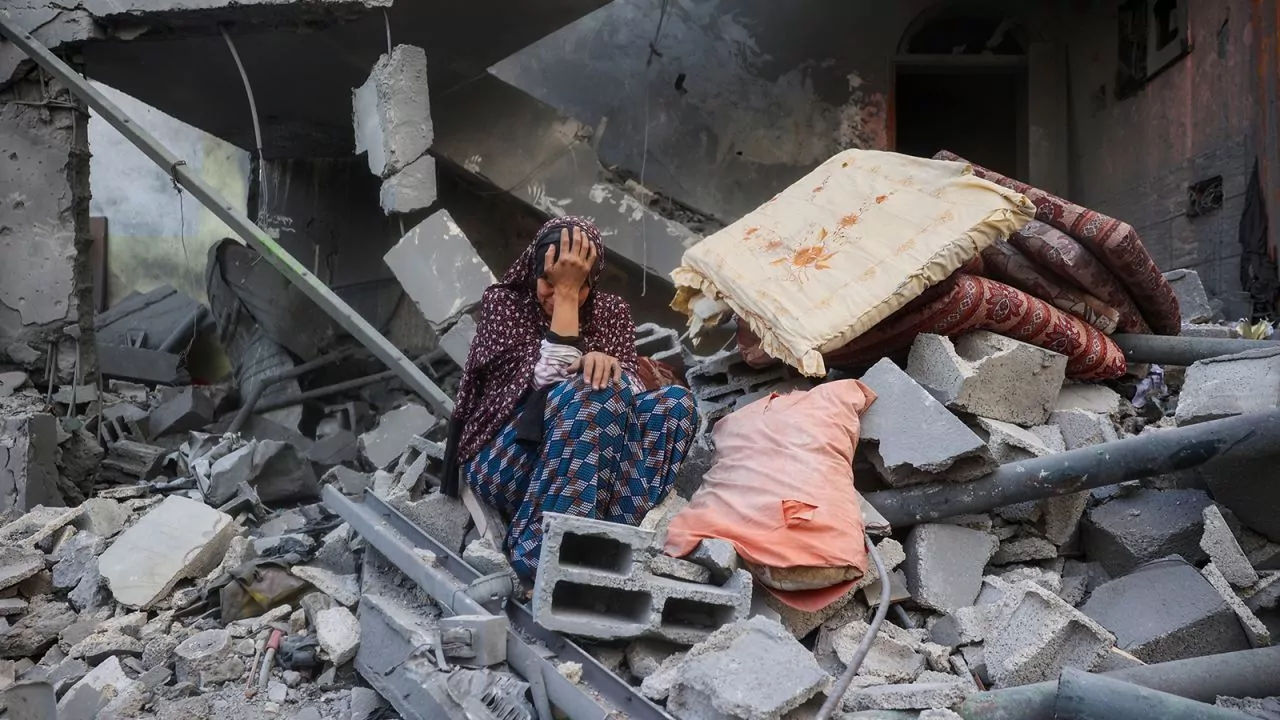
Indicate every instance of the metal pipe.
{"type": "Point", "coordinates": [1206, 445]}
{"type": "Point", "coordinates": [835, 700]}
{"type": "Point", "coordinates": [1084, 696]}
{"type": "Point", "coordinates": [256, 238]}
{"type": "Point", "coordinates": [327, 390]}
{"type": "Point", "coordinates": [1167, 350]}
{"type": "Point", "coordinates": [247, 407]}
{"type": "Point", "coordinates": [1245, 673]}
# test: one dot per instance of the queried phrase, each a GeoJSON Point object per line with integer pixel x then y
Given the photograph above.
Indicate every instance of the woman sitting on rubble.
{"type": "Point", "coordinates": [551, 415]}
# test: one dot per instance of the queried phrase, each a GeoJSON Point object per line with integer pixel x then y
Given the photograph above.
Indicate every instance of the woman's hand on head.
{"type": "Point", "coordinates": [570, 271]}
{"type": "Point", "coordinates": [598, 370]}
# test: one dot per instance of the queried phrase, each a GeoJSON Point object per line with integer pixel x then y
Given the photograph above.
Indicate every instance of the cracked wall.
{"type": "Point", "coordinates": [45, 278]}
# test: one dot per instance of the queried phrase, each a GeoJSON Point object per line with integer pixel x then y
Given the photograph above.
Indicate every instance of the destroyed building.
{"type": "Point", "coordinates": [242, 250]}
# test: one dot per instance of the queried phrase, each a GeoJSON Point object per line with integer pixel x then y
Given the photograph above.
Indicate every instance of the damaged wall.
{"type": "Point", "coordinates": [1136, 157]}
{"type": "Point", "coordinates": [45, 278]}
{"type": "Point", "coordinates": [151, 240]}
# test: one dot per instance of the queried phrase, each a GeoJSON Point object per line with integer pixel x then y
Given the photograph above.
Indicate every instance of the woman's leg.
{"type": "Point", "coordinates": [499, 474]}
{"type": "Point", "coordinates": [658, 439]}
{"type": "Point", "coordinates": [584, 444]}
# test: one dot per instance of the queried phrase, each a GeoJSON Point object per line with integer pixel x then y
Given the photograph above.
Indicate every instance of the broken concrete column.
{"type": "Point", "coordinates": [989, 375]}
{"type": "Point", "coordinates": [1220, 544]}
{"type": "Point", "coordinates": [207, 659]}
{"type": "Point", "coordinates": [945, 563]}
{"type": "Point", "coordinates": [1165, 610]}
{"type": "Point", "coordinates": [752, 669]}
{"type": "Point", "coordinates": [1193, 301]}
{"type": "Point", "coordinates": [1230, 385]}
{"type": "Point", "coordinates": [179, 539]}
{"type": "Point", "coordinates": [1150, 524]}
{"type": "Point", "coordinates": [392, 111]}
{"type": "Point", "coordinates": [439, 269]}
{"type": "Point", "coordinates": [1039, 635]}
{"type": "Point", "coordinates": [911, 438]}
{"type": "Point", "coordinates": [28, 463]}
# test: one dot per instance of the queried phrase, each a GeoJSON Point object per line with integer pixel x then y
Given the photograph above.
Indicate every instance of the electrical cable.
{"type": "Point", "coordinates": [253, 111]}
{"type": "Point", "coordinates": [836, 698]}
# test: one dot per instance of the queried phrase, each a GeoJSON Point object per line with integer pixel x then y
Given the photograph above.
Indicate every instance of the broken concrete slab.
{"type": "Point", "coordinates": [911, 438]}
{"type": "Point", "coordinates": [18, 564]}
{"type": "Point", "coordinates": [1193, 301]}
{"type": "Point", "coordinates": [944, 565]}
{"type": "Point", "coordinates": [1092, 398]}
{"type": "Point", "coordinates": [752, 669]}
{"type": "Point", "coordinates": [1150, 524]}
{"type": "Point", "coordinates": [1061, 516]}
{"type": "Point", "coordinates": [343, 588]}
{"type": "Point", "coordinates": [645, 657]}
{"type": "Point", "coordinates": [101, 645]}
{"type": "Point", "coordinates": [1024, 549]}
{"type": "Point", "coordinates": [1039, 635]}
{"type": "Point", "coordinates": [392, 111]}
{"type": "Point", "coordinates": [74, 558]}
{"type": "Point", "coordinates": [1009, 443]}
{"type": "Point", "coordinates": [338, 632]}
{"type": "Point", "coordinates": [411, 189]}
{"type": "Point", "coordinates": [96, 695]}
{"type": "Point", "coordinates": [456, 342]}
{"type": "Point", "coordinates": [1257, 632]}
{"type": "Point", "coordinates": [28, 463]}
{"type": "Point", "coordinates": [121, 362]}
{"type": "Point", "coordinates": [1220, 544]}
{"type": "Point", "coordinates": [898, 590]}
{"type": "Point", "coordinates": [206, 659]}
{"type": "Point", "coordinates": [91, 593]}
{"type": "Point", "coordinates": [36, 631]}
{"type": "Point", "coordinates": [914, 696]}
{"type": "Point", "coordinates": [1083, 428]}
{"type": "Point", "coordinates": [185, 410]}
{"type": "Point", "coordinates": [439, 269]}
{"type": "Point", "coordinates": [383, 444]}
{"type": "Point", "coordinates": [989, 375]}
{"type": "Point", "coordinates": [888, 658]}
{"type": "Point", "coordinates": [336, 449]}
{"type": "Point", "coordinates": [1230, 385]}
{"type": "Point", "coordinates": [1165, 610]}
{"type": "Point", "coordinates": [102, 517]}
{"type": "Point", "coordinates": [348, 481]}
{"type": "Point", "coordinates": [180, 538]}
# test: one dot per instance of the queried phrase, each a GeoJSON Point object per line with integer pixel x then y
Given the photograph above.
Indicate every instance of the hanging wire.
{"type": "Point", "coordinates": [186, 256]}
{"type": "Point", "coordinates": [386, 20]}
{"type": "Point", "coordinates": [644, 152]}
{"type": "Point", "coordinates": [253, 111]}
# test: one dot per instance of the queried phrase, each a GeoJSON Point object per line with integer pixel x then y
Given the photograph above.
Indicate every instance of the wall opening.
{"type": "Point", "coordinates": [960, 84]}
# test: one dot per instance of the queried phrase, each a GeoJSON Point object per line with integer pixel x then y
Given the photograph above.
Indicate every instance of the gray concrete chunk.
{"type": "Point", "coordinates": [1150, 524]}
{"type": "Point", "coordinates": [1224, 551]}
{"type": "Point", "coordinates": [413, 188]}
{"type": "Point", "coordinates": [102, 517]}
{"type": "Point", "coordinates": [911, 438]}
{"type": "Point", "coordinates": [1230, 385]}
{"type": "Point", "coordinates": [1024, 549]}
{"type": "Point", "coordinates": [104, 688]}
{"type": "Point", "coordinates": [944, 565]}
{"type": "Point", "coordinates": [456, 342]}
{"type": "Point", "coordinates": [718, 556]}
{"type": "Point", "coordinates": [1092, 398]}
{"type": "Point", "coordinates": [386, 442]}
{"type": "Point", "coordinates": [18, 564]}
{"type": "Point", "coordinates": [187, 409]}
{"type": "Point", "coordinates": [1165, 610]}
{"type": "Point", "coordinates": [392, 111]}
{"type": "Point", "coordinates": [1083, 428]}
{"type": "Point", "coordinates": [207, 659]}
{"type": "Point", "coordinates": [914, 696]}
{"type": "Point", "coordinates": [1257, 632]}
{"type": "Point", "coordinates": [677, 569]}
{"type": "Point", "coordinates": [1009, 443]}
{"type": "Point", "coordinates": [180, 538]}
{"type": "Point", "coordinates": [1039, 635]}
{"type": "Point", "coordinates": [1193, 301]}
{"type": "Point", "coordinates": [750, 670]}
{"type": "Point", "coordinates": [989, 375]}
{"type": "Point", "coordinates": [889, 658]}
{"type": "Point", "coordinates": [338, 632]}
{"type": "Point", "coordinates": [439, 269]}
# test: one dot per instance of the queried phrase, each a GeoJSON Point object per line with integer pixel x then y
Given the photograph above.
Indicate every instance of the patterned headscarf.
{"type": "Point", "coordinates": [509, 337]}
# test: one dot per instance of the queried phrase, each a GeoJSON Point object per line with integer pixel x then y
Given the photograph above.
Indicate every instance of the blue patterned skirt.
{"type": "Point", "coordinates": [608, 454]}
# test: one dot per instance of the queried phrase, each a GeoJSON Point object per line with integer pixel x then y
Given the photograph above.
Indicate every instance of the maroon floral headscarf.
{"type": "Point", "coordinates": [508, 341]}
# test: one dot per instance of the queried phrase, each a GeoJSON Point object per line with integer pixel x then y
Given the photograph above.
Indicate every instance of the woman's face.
{"type": "Point", "coordinates": [547, 296]}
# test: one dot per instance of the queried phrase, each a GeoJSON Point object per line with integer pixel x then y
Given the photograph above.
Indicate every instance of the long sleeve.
{"type": "Point", "coordinates": [553, 363]}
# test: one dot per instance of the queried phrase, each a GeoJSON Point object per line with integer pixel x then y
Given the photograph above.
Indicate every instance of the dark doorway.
{"type": "Point", "coordinates": [977, 113]}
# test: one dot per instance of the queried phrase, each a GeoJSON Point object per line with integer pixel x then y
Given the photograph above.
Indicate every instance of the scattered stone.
{"type": "Point", "coordinates": [179, 539]}
{"type": "Point", "coordinates": [1148, 525]}
{"type": "Point", "coordinates": [155, 678]}
{"type": "Point", "coordinates": [889, 658]}
{"type": "Point", "coordinates": [752, 669]}
{"type": "Point", "coordinates": [1039, 636]}
{"type": "Point", "coordinates": [12, 606]}
{"type": "Point", "coordinates": [18, 564]}
{"type": "Point", "coordinates": [645, 657]}
{"type": "Point", "coordinates": [1230, 385]}
{"type": "Point", "coordinates": [1090, 397]}
{"type": "Point", "coordinates": [989, 375]}
{"type": "Point", "coordinates": [339, 634]}
{"type": "Point", "coordinates": [207, 659]}
{"type": "Point", "coordinates": [718, 556]}
{"type": "Point", "coordinates": [659, 518]}
{"type": "Point", "coordinates": [1220, 545]}
{"type": "Point", "coordinates": [944, 565]}
{"type": "Point", "coordinates": [898, 590]}
{"type": "Point", "coordinates": [383, 444]}
{"type": "Point", "coordinates": [677, 569]}
{"type": "Point", "coordinates": [159, 651]}
{"type": "Point", "coordinates": [911, 438]}
{"type": "Point", "coordinates": [1082, 428]}
{"type": "Point", "coordinates": [74, 558]}
{"type": "Point", "coordinates": [277, 692]}
{"type": "Point", "coordinates": [1254, 629]}
{"type": "Point", "coordinates": [1009, 443]}
{"type": "Point", "coordinates": [1193, 301]}
{"type": "Point", "coordinates": [36, 631]}
{"type": "Point", "coordinates": [65, 674]}
{"type": "Point", "coordinates": [571, 671]}
{"type": "Point", "coordinates": [1025, 549]}
{"type": "Point", "coordinates": [348, 481]}
{"type": "Point", "coordinates": [343, 588]}
{"type": "Point", "coordinates": [1165, 610]}
{"type": "Point", "coordinates": [1061, 515]}
{"type": "Point", "coordinates": [105, 692]}
{"type": "Point", "coordinates": [91, 593]}
{"type": "Point", "coordinates": [366, 704]}
{"type": "Point", "coordinates": [456, 343]}
{"type": "Point", "coordinates": [101, 645]}
{"type": "Point", "coordinates": [102, 517]}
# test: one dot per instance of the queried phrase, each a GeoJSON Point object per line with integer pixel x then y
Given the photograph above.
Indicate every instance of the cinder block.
{"type": "Point", "coordinates": [1039, 635]}
{"type": "Point", "coordinates": [656, 342]}
{"type": "Point", "coordinates": [1083, 428]}
{"type": "Point", "coordinates": [945, 563]}
{"type": "Point", "coordinates": [413, 188]}
{"type": "Point", "coordinates": [989, 375]}
{"type": "Point", "coordinates": [439, 269]}
{"type": "Point", "coordinates": [750, 670]}
{"type": "Point", "coordinates": [724, 377]}
{"type": "Point", "coordinates": [1193, 301]}
{"type": "Point", "coordinates": [1165, 610]}
{"type": "Point", "coordinates": [594, 581]}
{"type": "Point", "coordinates": [1224, 551]}
{"type": "Point", "coordinates": [392, 111]}
{"type": "Point", "coordinates": [1230, 385]}
{"type": "Point", "coordinates": [911, 438]}
{"type": "Point", "coordinates": [1150, 524]}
